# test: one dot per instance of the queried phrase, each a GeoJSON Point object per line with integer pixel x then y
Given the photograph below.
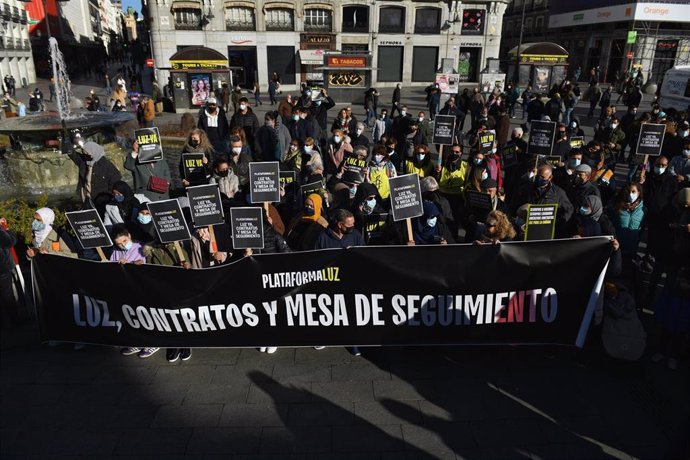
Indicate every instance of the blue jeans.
{"type": "Point", "coordinates": [566, 117]}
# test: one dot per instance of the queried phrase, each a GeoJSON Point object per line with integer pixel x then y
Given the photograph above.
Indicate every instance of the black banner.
{"type": "Point", "coordinates": [89, 228]}
{"type": "Point", "coordinates": [264, 182]}
{"type": "Point", "coordinates": [206, 205]}
{"type": "Point", "coordinates": [651, 139]}
{"type": "Point", "coordinates": [541, 136]}
{"type": "Point", "coordinates": [193, 168]}
{"type": "Point", "coordinates": [150, 148]}
{"type": "Point", "coordinates": [444, 129]}
{"type": "Point", "coordinates": [406, 197]}
{"type": "Point", "coordinates": [524, 293]}
{"type": "Point", "coordinates": [247, 228]}
{"type": "Point", "coordinates": [168, 221]}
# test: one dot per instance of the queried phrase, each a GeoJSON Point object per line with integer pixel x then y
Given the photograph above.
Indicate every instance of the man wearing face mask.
{"type": "Point", "coordinates": [451, 108]}
{"type": "Point", "coordinates": [358, 138]}
{"type": "Point", "coordinates": [659, 186]}
{"type": "Point", "coordinates": [382, 126]}
{"type": "Point", "coordinates": [564, 175]}
{"type": "Point", "coordinates": [424, 125]}
{"type": "Point", "coordinates": [581, 186]}
{"type": "Point", "coordinates": [574, 129]}
{"type": "Point", "coordinates": [401, 126]}
{"type": "Point", "coordinates": [319, 110]}
{"type": "Point", "coordinates": [245, 119]}
{"type": "Point", "coordinates": [561, 146]}
{"type": "Point", "coordinates": [680, 166]}
{"type": "Point", "coordinates": [213, 121]}
{"type": "Point", "coordinates": [341, 233]}
{"type": "Point", "coordinates": [239, 162]}
{"type": "Point", "coordinates": [614, 142]}
{"type": "Point", "coordinates": [300, 129]}
{"type": "Point", "coordinates": [543, 191]}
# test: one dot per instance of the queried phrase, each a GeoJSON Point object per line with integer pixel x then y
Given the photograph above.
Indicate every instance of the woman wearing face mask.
{"type": "Point", "coordinates": [197, 142]}
{"type": "Point", "coordinates": [142, 229]}
{"type": "Point", "coordinates": [380, 169]}
{"type": "Point", "coordinates": [478, 173]}
{"type": "Point", "coordinates": [420, 163]}
{"type": "Point", "coordinates": [429, 228]}
{"type": "Point", "coordinates": [45, 238]}
{"type": "Point", "coordinates": [125, 249]}
{"type": "Point", "coordinates": [493, 165]}
{"type": "Point", "coordinates": [365, 205]}
{"type": "Point", "coordinates": [628, 215]}
{"type": "Point", "coordinates": [121, 208]}
{"type": "Point", "coordinates": [590, 219]}
{"type": "Point", "coordinates": [307, 225]}
{"type": "Point", "coordinates": [337, 150]}
{"type": "Point", "coordinates": [574, 129]}
{"type": "Point", "coordinates": [344, 123]}
{"type": "Point", "coordinates": [310, 155]}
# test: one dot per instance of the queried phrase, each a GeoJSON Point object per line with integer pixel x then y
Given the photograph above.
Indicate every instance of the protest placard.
{"type": "Point", "coordinates": [264, 182]}
{"type": "Point", "coordinates": [541, 222]}
{"type": "Point", "coordinates": [247, 228]}
{"type": "Point", "coordinates": [541, 137]}
{"type": "Point", "coordinates": [90, 231]}
{"type": "Point", "coordinates": [168, 221]}
{"type": "Point", "coordinates": [478, 200]}
{"type": "Point", "coordinates": [509, 155]}
{"type": "Point", "coordinates": [193, 168]}
{"type": "Point", "coordinates": [288, 180]}
{"type": "Point", "coordinates": [206, 205]}
{"type": "Point", "coordinates": [444, 130]}
{"type": "Point", "coordinates": [486, 141]}
{"type": "Point", "coordinates": [150, 148]}
{"type": "Point", "coordinates": [577, 142]}
{"type": "Point", "coordinates": [651, 139]}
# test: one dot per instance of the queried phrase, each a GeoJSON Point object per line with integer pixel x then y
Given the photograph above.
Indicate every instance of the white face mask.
{"type": "Point", "coordinates": [243, 106]}
{"type": "Point", "coordinates": [378, 158]}
{"type": "Point", "coordinates": [485, 175]}
{"type": "Point", "coordinates": [237, 150]}
{"type": "Point", "coordinates": [431, 222]}
{"type": "Point", "coordinates": [421, 119]}
{"type": "Point", "coordinates": [308, 148]}
{"type": "Point", "coordinates": [336, 139]}
{"type": "Point", "coordinates": [359, 132]}
{"type": "Point", "coordinates": [686, 153]}
{"type": "Point", "coordinates": [403, 113]}
{"type": "Point", "coordinates": [614, 125]}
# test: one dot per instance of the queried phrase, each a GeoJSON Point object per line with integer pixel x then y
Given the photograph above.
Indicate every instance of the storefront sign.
{"type": "Point", "coordinates": [390, 43]}
{"type": "Point", "coordinates": [321, 39]}
{"type": "Point", "coordinates": [346, 79]}
{"type": "Point", "coordinates": [346, 61]}
{"type": "Point", "coordinates": [543, 59]}
{"type": "Point", "coordinates": [632, 37]}
{"type": "Point", "coordinates": [184, 65]}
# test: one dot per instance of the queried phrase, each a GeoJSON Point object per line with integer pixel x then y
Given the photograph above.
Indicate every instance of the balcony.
{"type": "Point", "coordinates": [280, 26]}
{"type": "Point", "coordinates": [188, 25]}
{"type": "Point", "coordinates": [239, 25]}
{"type": "Point", "coordinates": [355, 27]}
{"type": "Point", "coordinates": [317, 27]}
{"type": "Point", "coordinates": [420, 29]}
{"type": "Point", "coordinates": [391, 28]}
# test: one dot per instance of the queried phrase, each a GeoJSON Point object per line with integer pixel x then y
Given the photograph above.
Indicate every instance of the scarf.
{"type": "Point", "coordinates": [318, 201]}
{"type": "Point", "coordinates": [211, 119]}
{"type": "Point", "coordinates": [48, 217]}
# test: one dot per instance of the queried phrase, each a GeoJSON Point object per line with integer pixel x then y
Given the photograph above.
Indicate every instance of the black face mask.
{"type": "Point", "coordinates": [347, 230]}
{"type": "Point", "coordinates": [194, 143]}
{"type": "Point", "coordinates": [222, 173]}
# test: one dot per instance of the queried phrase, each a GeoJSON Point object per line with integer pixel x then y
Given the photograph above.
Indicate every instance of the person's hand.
{"type": "Point", "coordinates": [615, 244]}
{"type": "Point", "coordinates": [680, 178]}
{"type": "Point", "coordinates": [185, 182]}
{"type": "Point", "coordinates": [410, 243]}
{"type": "Point", "coordinates": [204, 160]}
{"type": "Point", "coordinates": [218, 256]}
{"type": "Point", "coordinates": [138, 262]}
{"type": "Point", "coordinates": [186, 265]}
{"type": "Point", "coordinates": [324, 92]}
{"type": "Point", "coordinates": [443, 241]}
{"type": "Point", "coordinates": [561, 164]}
{"type": "Point", "coordinates": [248, 252]}
{"type": "Point", "coordinates": [3, 222]}
{"type": "Point", "coordinates": [30, 252]}
{"type": "Point", "coordinates": [281, 191]}
{"type": "Point", "coordinates": [43, 251]}
{"type": "Point", "coordinates": [438, 168]}
{"type": "Point", "coordinates": [135, 147]}
{"type": "Point", "coordinates": [122, 261]}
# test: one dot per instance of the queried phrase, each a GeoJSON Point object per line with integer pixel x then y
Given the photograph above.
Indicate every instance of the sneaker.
{"type": "Point", "coordinates": [355, 351]}
{"type": "Point", "coordinates": [146, 352]}
{"type": "Point", "coordinates": [128, 351]}
{"type": "Point", "coordinates": [262, 350]}
{"type": "Point", "coordinates": [271, 350]}
{"type": "Point", "coordinates": [185, 354]}
{"type": "Point", "coordinates": [656, 357]}
{"type": "Point", "coordinates": [319, 348]}
{"type": "Point", "coordinates": [172, 354]}
{"type": "Point", "coordinates": [672, 363]}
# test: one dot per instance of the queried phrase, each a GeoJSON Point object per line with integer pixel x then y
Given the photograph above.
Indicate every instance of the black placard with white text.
{"type": "Point", "coordinates": [89, 228]}
{"type": "Point", "coordinates": [169, 221]}
{"type": "Point", "coordinates": [247, 228]}
{"type": "Point", "coordinates": [444, 129]}
{"type": "Point", "coordinates": [193, 168]}
{"type": "Point", "coordinates": [206, 205]}
{"type": "Point", "coordinates": [486, 141]}
{"type": "Point", "coordinates": [541, 137]}
{"type": "Point", "coordinates": [150, 148]}
{"type": "Point", "coordinates": [264, 182]}
{"type": "Point", "coordinates": [651, 139]}
{"type": "Point", "coordinates": [406, 197]}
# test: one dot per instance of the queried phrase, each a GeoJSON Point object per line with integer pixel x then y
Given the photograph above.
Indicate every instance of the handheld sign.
{"type": "Point", "coordinates": [509, 155]}
{"type": "Point", "coordinates": [406, 197]}
{"type": "Point", "coordinates": [168, 221]}
{"type": "Point", "coordinates": [577, 142]}
{"type": "Point", "coordinates": [313, 187]}
{"type": "Point", "coordinates": [479, 200]}
{"type": "Point", "coordinates": [541, 222]}
{"type": "Point", "coordinates": [553, 160]}
{"type": "Point", "coordinates": [264, 182]}
{"type": "Point", "coordinates": [651, 139]}
{"type": "Point", "coordinates": [150, 148]}
{"type": "Point", "coordinates": [247, 228]}
{"type": "Point", "coordinates": [206, 205]}
{"type": "Point", "coordinates": [444, 130]}
{"type": "Point", "coordinates": [90, 231]}
{"type": "Point", "coordinates": [288, 180]}
{"type": "Point", "coordinates": [355, 165]}
{"type": "Point", "coordinates": [541, 137]}
{"type": "Point", "coordinates": [486, 141]}
{"type": "Point", "coordinates": [193, 168]}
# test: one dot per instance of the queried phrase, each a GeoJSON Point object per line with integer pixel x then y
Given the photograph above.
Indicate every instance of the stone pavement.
{"type": "Point", "coordinates": [391, 403]}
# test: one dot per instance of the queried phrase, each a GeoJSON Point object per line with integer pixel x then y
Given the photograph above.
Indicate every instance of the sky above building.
{"type": "Point", "coordinates": [136, 4]}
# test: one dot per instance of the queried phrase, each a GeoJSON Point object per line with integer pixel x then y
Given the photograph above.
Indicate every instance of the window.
{"type": "Point", "coordinates": [473, 22]}
{"type": "Point", "coordinates": [316, 19]}
{"type": "Point", "coordinates": [95, 19]}
{"type": "Point", "coordinates": [392, 20]}
{"type": "Point", "coordinates": [278, 19]}
{"type": "Point", "coordinates": [239, 18]}
{"type": "Point", "coordinates": [539, 25]}
{"type": "Point", "coordinates": [187, 19]}
{"type": "Point", "coordinates": [427, 21]}
{"type": "Point", "coordinates": [390, 63]}
{"type": "Point", "coordinates": [356, 19]}
{"type": "Point", "coordinates": [528, 26]}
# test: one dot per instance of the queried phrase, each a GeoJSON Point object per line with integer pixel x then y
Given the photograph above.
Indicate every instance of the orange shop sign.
{"type": "Point", "coordinates": [347, 61]}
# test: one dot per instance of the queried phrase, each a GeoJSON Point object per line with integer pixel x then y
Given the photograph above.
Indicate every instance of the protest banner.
{"type": "Point", "coordinates": [247, 228]}
{"type": "Point", "coordinates": [264, 182]}
{"type": "Point", "coordinates": [541, 137]}
{"type": "Point", "coordinates": [169, 223]}
{"type": "Point", "coordinates": [193, 168]}
{"type": "Point", "coordinates": [650, 140]}
{"type": "Point", "coordinates": [325, 298]}
{"type": "Point", "coordinates": [406, 199]}
{"type": "Point", "coordinates": [90, 231]}
{"type": "Point", "coordinates": [554, 160]}
{"type": "Point", "coordinates": [478, 200]}
{"type": "Point", "coordinates": [150, 148]}
{"type": "Point", "coordinates": [541, 222]}
{"type": "Point", "coordinates": [486, 141]}
{"type": "Point", "coordinates": [355, 164]}
{"type": "Point", "coordinates": [577, 142]}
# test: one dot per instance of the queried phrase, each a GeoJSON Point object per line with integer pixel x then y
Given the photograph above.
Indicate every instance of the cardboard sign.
{"type": "Point", "coordinates": [541, 222]}
{"type": "Point", "coordinates": [355, 164]}
{"type": "Point", "coordinates": [264, 182]}
{"type": "Point", "coordinates": [89, 228]}
{"type": "Point", "coordinates": [509, 155]}
{"type": "Point", "coordinates": [313, 187]}
{"type": "Point", "coordinates": [577, 142]}
{"type": "Point", "coordinates": [651, 139]}
{"type": "Point", "coordinates": [150, 148]}
{"type": "Point", "coordinates": [406, 197]}
{"type": "Point", "coordinates": [541, 137]}
{"type": "Point", "coordinates": [168, 221]}
{"type": "Point", "coordinates": [288, 180]}
{"type": "Point", "coordinates": [444, 129]}
{"type": "Point", "coordinates": [486, 141]}
{"type": "Point", "coordinates": [247, 228]}
{"type": "Point", "coordinates": [206, 205]}
{"type": "Point", "coordinates": [478, 200]}
{"type": "Point", "coordinates": [193, 168]}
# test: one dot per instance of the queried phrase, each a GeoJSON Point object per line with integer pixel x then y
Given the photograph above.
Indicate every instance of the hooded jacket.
{"type": "Point", "coordinates": [103, 173]}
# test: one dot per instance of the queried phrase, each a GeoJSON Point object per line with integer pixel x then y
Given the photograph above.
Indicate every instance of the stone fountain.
{"type": "Point", "coordinates": [33, 162]}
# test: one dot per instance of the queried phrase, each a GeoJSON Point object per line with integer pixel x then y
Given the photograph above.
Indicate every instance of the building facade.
{"type": "Point", "coordinates": [407, 40]}
{"type": "Point", "coordinates": [15, 47]}
{"type": "Point", "coordinates": [614, 35]}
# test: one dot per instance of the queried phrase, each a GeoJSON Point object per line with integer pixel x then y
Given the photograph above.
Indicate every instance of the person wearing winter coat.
{"type": "Point", "coordinates": [143, 172]}
{"type": "Point", "coordinates": [121, 208]}
{"type": "Point", "coordinates": [272, 139]}
{"type": "Point", "coordinates": [246, 119]}
{"type": "Point", "coordinates": [213, 121]}
{"type": "Point", "coordinates": [45, 238]}
{"type": "Point", "coordinates": [97, 174]}
{"type": "Point", "coordinates": [628, 215]}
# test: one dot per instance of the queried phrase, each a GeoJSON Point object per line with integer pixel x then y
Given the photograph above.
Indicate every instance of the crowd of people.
{"type": "Point", "coordinates": [348, 164]}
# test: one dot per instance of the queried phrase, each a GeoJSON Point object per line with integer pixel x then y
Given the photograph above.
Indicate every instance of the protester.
{"type": "Point", "coordinates": [245, 118]}
{"type": "Point", "coordinates": [121, 208]}
{"type": "Point", "coordinates": [125, 250]}
{"type": "Point", "coordinates": [429, 228]}
{"type": "Point", "coordinates": [151, 179]}
{"type": "Point", "coordinates": [420, 163]}
{"type": "Point", "coordinates": [341, 233]}
{"type": "Point", "coordinates": [45, 237]}
{"type": "Point", "coordinates": [8, 306]}
{"type": "Point", "coordinates": [213, 121]}
{"type": "Point", "coordinates": [307, 225]}
{"type": "Point", "coordinates": [97, 175]}
{"type": "Point", "coordinates": [627, 214]}
{"type": "Point", "coordinates": [495, 229]}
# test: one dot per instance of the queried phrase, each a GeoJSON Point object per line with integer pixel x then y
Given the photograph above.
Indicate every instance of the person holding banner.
{"type": "Point", "coordinates": [7, 265]}
{"type": "Point", "coordinates": [495, 229]}
{"type": "Point", "coordinates": [341, 233]}
{"type": "Point", "coordinates": [45, 238]}
{"type": "Point", "coordinates": [125, 250]}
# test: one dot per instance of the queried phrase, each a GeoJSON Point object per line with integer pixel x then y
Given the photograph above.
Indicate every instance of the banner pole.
{"type": "Point", "coordinates": [410, 236]}
{"type": "Point", "coordinates": [214, 245]}
{"type": "Point", "coordinates": [440, 154]}
{"type": "Point", "coordinates": [643, 172]}
{"type": "Point", "coordinates": [101, 254]}
{"type": "Point", "coordinates": [180, 254]}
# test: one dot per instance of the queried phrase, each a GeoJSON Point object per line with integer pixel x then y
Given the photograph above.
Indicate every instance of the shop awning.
{"type": "Point", "coordinates": [311, 57]}
{"type": "Point", "coordinates": [540, 53]}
